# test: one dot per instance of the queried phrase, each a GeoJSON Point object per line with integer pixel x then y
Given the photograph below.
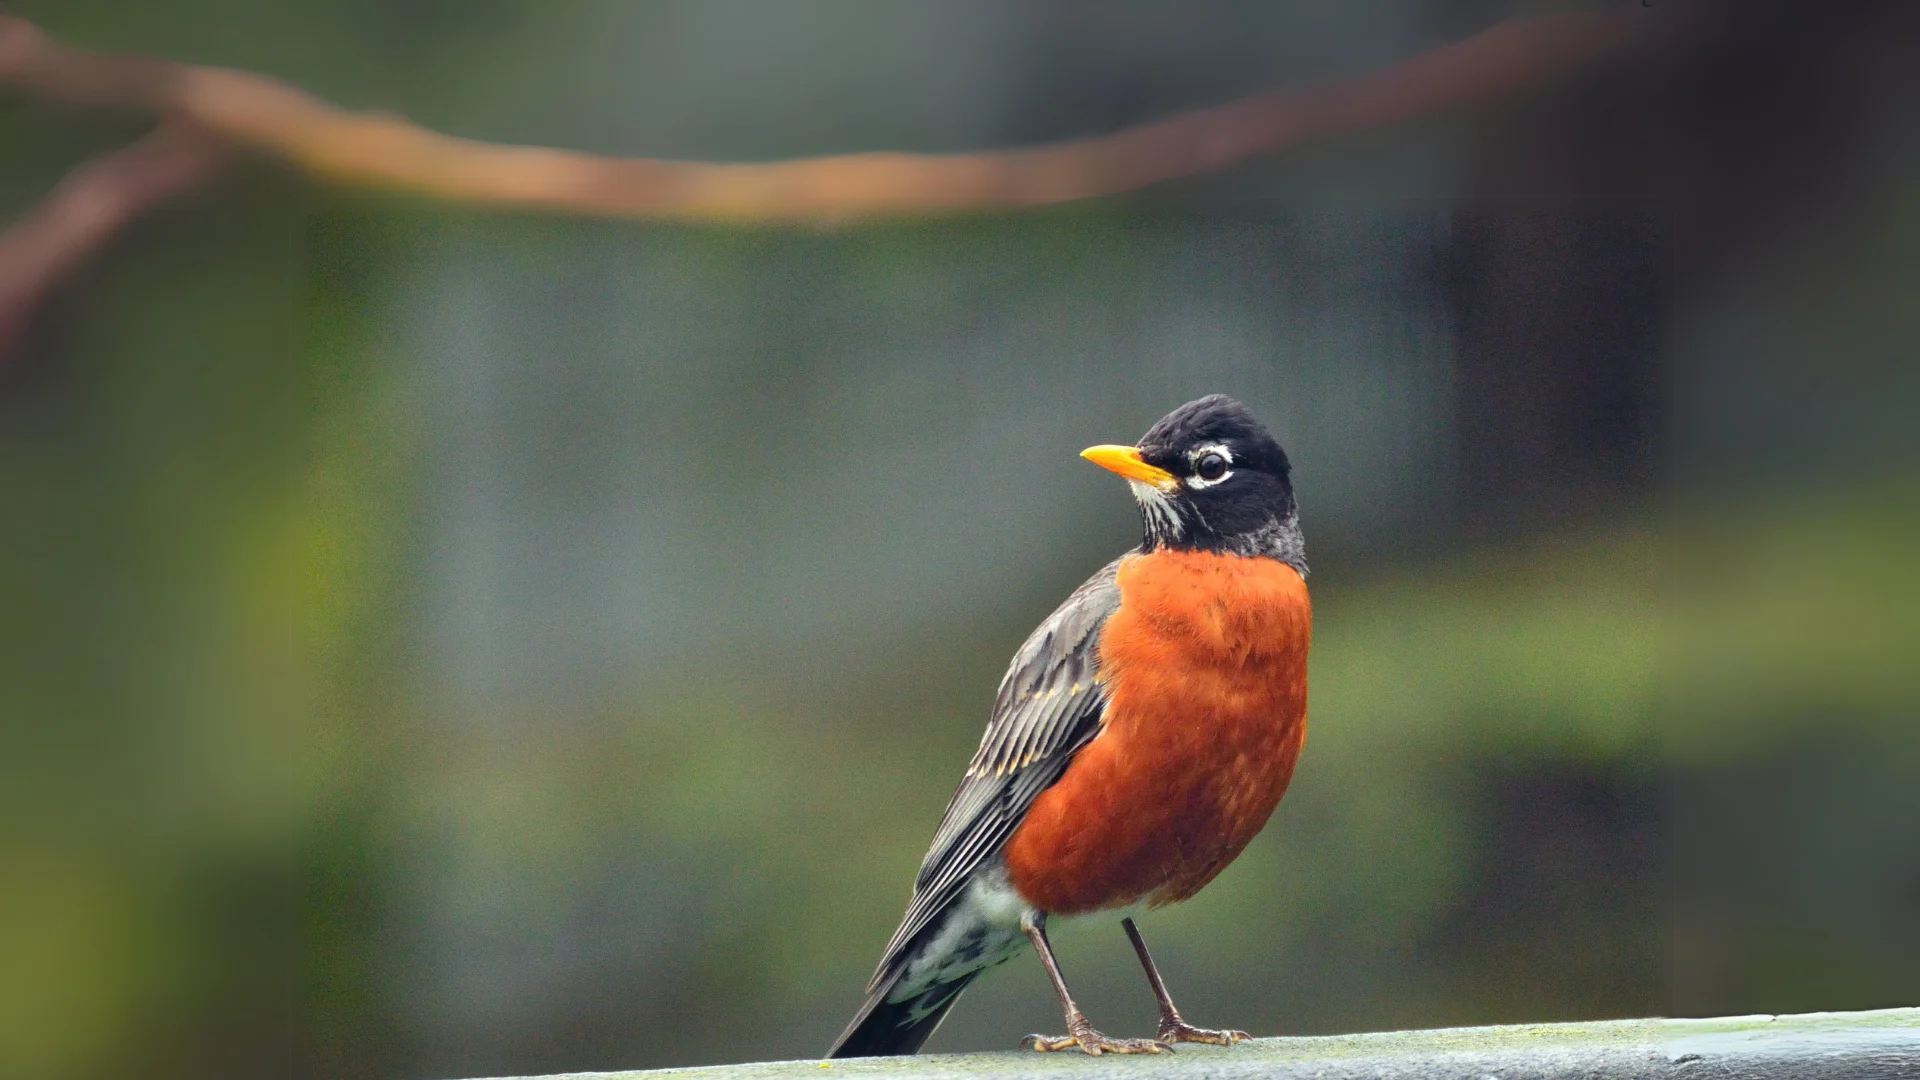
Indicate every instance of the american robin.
{"type": "Point", "coordinates": [1141, 737]}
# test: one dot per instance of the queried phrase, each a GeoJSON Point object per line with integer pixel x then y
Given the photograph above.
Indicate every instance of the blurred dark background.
{"type": "Point", "coordinates": [443, 642]}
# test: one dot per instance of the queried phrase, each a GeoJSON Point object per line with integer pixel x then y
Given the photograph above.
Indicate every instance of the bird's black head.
{"type": "Point", "coordinates": [1209, 477]}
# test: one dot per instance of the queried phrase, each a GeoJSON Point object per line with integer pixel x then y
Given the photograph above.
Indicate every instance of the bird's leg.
{"type": "Point", "coordinates": [1079, 1032]}
{"type": "Point", "coordinates": [1172, 1028]}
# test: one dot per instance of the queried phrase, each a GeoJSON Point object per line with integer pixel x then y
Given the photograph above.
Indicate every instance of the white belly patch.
{"type": "Point", "coordinates": [981, 931]}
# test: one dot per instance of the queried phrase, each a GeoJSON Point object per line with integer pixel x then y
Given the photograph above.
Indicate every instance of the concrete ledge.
{"type": "Point", "coordinates": [1882, 1045]}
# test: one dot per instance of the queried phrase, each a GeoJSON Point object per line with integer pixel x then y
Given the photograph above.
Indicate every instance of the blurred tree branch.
{"type": "Point", "coordinates": [204, 108]}
{"type": "Point", "coordinates": [83, 213]}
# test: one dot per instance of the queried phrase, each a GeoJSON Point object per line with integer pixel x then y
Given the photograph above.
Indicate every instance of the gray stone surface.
{"type": "Point", "coordinates": [1881, 1045]}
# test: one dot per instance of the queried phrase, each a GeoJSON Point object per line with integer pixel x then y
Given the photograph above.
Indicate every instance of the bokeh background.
{"type": "Point", "coordinates": [443, 642]}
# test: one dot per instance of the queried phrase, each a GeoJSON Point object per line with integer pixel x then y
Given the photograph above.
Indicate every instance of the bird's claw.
{"type": "Point", "coordinates": [1094, 1043]}
{"type": "Point", "coordinates": [1178, 1031]}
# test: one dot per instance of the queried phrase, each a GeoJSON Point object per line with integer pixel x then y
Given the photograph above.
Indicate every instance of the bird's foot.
{"type": "Point", "coordinates": [1081, 1034]}
{"type": "Point", "coordinates": [1175, 1030]}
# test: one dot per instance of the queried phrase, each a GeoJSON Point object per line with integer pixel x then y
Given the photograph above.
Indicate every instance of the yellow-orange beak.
{"type": "Point", "coordinates": [1125, 460]}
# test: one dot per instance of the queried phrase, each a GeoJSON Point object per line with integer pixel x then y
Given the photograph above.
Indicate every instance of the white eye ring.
{"type": "Point", "coordinates": [1196, 481]}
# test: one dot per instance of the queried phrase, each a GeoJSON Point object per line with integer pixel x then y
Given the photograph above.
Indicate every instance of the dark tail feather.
{"type": "Point", "coordinates": [881, 1027]}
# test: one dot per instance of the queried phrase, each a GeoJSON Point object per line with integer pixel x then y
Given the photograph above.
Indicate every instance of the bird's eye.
{"type": "Point", "coordinates": [1211, 466]}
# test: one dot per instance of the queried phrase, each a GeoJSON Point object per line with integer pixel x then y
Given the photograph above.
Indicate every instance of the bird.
{"type": "Point", "coordinates": [1143, 734]}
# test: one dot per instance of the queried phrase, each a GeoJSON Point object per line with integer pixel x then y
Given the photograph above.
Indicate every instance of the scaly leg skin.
{"type": "Point", "coordinates": [1079, 1032]}
{"type": "Point", "coordinates": [1172, 1028]}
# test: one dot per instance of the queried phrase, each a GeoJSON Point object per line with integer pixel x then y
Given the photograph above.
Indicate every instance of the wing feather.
{"type": "Point", "coordinates": [1048, 706]}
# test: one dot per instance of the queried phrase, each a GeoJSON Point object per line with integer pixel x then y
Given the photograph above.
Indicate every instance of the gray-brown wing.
{"type": "Point", "coordinates": [1049, 705]}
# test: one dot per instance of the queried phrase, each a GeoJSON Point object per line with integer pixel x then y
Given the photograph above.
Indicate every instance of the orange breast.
{"type": "Point", "coordinates": [1205, 664]}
